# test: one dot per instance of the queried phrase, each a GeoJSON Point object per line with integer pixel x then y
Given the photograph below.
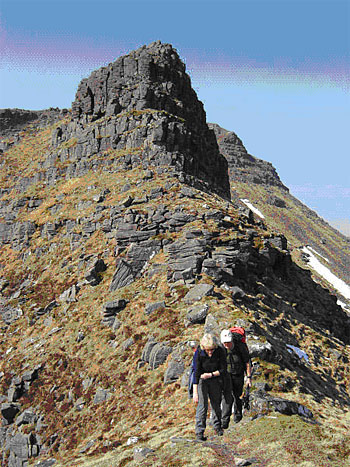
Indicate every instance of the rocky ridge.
{"type": "Point", "coordinates": [112, 267]}
{"type": "Point", "coordinates": [243, 166]}
{"type": "Point", "coordinates": [258, 182]}
{"type": "Point", "coordinates": [145, 100]}
{"type": "Point", "coordinates": [13, 121]}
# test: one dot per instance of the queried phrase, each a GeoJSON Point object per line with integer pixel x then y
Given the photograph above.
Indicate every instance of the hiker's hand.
{"type": "Point", "coordinates": [249, 382]}
{"type": "Point", "coordinates": [206, 375]}
{"type": "Point", "coordinates": [195, 398]}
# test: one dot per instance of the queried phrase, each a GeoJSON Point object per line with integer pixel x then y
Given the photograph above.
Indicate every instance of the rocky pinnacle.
{"type": "Point", "coordinates": [151, 83]}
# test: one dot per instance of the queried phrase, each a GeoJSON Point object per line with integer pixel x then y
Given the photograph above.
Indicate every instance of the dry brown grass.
{"type": "Point", "coordinates": [140, 405]}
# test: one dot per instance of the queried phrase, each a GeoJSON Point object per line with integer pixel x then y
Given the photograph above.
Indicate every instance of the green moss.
{"type": "Point", "coordinates": [290, 440]}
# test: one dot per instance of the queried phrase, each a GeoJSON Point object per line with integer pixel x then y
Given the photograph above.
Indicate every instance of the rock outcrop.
{"type": "Point", "coordinates": [242, 165]}
{"type": "Point", "coordinates": [145, 100]}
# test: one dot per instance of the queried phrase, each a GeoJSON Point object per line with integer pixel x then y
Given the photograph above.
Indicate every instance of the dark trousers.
{"type": "Point", "coordinates": [208, 389]}
{"type": "Point", "coordinates": [233, 388]}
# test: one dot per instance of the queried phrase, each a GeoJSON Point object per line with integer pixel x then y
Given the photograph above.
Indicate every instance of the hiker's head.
{"type": "Point", "coordinates": [226, 339]}
{"type": "Point", "coordinates": [208, 343]}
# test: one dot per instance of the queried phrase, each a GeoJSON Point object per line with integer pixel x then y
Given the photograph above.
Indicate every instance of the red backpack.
{"type": "Point", "coordinates": [238, 333]}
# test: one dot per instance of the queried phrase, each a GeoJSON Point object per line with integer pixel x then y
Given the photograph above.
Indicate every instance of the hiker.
{"type": "Point", "coordinates": [238, 364]}
{"type": "Point", "coordinates": [209, 367]}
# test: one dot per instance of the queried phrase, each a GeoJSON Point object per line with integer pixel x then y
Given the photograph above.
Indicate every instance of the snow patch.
{"type": "Point", "coordinates": [318, 254]}
{"type": "Point", "coordinates": [253, 208]}
{"type": "Point", "coordinates": [300, 353]}
{"type": "Point", "coordinates": [337, 283]}
{"type": "Point", "coordinates": [344, 306]}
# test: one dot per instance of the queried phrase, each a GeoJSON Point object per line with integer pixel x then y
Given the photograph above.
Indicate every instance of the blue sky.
{"type": "Point", "coordinates": [275, 72]}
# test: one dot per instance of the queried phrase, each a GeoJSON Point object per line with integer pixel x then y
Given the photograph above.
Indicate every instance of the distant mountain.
{"type": "Point", "coordinates": [128, 228]}
{"type": "Point", "coordinates": [258, 181]}
{"type": "Point", "coordinates": [243, 166]}
{"type": "Point", "coordinates": [13, 121]}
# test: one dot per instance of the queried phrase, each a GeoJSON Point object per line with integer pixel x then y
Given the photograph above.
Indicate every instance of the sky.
{"type": "Point", "coordinates": [276, 72]}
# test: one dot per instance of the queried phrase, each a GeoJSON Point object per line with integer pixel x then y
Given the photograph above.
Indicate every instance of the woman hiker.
{"type": "Point", "coordinates": [209, 367]}
{"type": "Point", "coordinates": [238, 364]}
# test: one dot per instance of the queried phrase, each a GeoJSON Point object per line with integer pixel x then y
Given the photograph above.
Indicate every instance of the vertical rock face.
{"type": "Point", "coordinates": [145, 99]}
{"type": "Point", "coordinates": [152, 77]}
{"type": "Point", "coordinates": [243, 166]}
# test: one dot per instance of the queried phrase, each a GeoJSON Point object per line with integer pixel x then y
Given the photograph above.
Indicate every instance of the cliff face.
{"type": "Point", "coordinates": [145, 100]}
{"type": "Point", "coordinates": [111, 266]}
{"type": "Point", "coordinates": [244, 167]}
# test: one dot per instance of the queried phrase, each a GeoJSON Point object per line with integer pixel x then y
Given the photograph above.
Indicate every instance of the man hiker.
{"type": "Point", "coordinates": [238, 364]}
{"type": "Point", "coordinates": [209, 367]}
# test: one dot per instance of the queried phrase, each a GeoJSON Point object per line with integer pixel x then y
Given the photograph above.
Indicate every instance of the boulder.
{"type": "Point", "coordinates": [94, 270]}
{"type": "Point", "coordinates": [198, 292]}
{"type": "Point", "coordinates": [46, 463]}
{"type": "Point", "coordinates": [116, 324]}
{"type": "Point", "coordinates": [123, 275]}
{"type": "Point", "coordinates": [138, 256]}
{"type": "Point", "coordinates": [147, 349]}
{"type": "Point", "coordinates": [3, 284]}
{"type": "Point", "coordinates": [9, 411]}
{"type": "Point", "coordinates": [46, 309]}
{"type": "Point", "coordinates": [175, 369]}
{"type": "Point", "coordinates": [279, 241]}
{"type": "Point", "coordinates": [10, 314]}
{"type": "Point", "coordinates": [109, 314]}
{"type": "Point", "coordinates": [17, 233]}
{"type": "Point", "coordinates": [287, 407]}
{"type": "Point", "coordinates": [128, 343]}
{"type": "Point", "coordinates": [263, 350]}
{"type": "Point", "coordinates": [140, 453]}
{"type": "Point", "coordinates": [211, 326]}
{"type": "Point", "coordinates": [237, 293]}
{"type": "Point", "coordinates": [151, 308]}
{"type": "Point", "coordinates": [158, 355]}
{"type": "Point", "coordinates": [112, 308]}
{"type": "Point", "coordinates": [276, 201]}
{"type": "Point", "coordinates": [101, 395]}
{"type": "Point", "coordinates": [21, 448]}
{"type": "Point", "coordinates": [198, 314]}
{"type": "Point", "coordinates": [70, 295]}
{"type": "Point", "coordinates": [263, 403]}
{"type": "Point", "coordinates": [28, 416]}
{"type": "Point", "coordinates": [126, 237]}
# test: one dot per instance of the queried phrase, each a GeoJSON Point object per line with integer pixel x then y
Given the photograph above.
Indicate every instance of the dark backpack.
{"type": "Point", "coordinates": [236, 360]}
{"type": "Point", "coordinates": [238, 333]}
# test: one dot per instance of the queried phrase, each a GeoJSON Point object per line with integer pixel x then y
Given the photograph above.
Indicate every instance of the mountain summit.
{"type": "Point", "coordinates": [145, 100]}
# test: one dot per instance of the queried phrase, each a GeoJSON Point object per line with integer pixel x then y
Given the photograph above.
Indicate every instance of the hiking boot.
{"type": "Point", "coordinates": [224, 426]}
{"type": "Point", "coordinates": [238, 418]}
{"type": "Point", "coordinates": [201, 437]}
{"type": "Point", "coordinates": [219, 431]}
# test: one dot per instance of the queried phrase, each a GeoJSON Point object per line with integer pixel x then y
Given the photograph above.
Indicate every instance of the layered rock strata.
{"type": "Point", "coordinates": [144, 101]}
{"type": "Point", "coordinates": [242, 165]}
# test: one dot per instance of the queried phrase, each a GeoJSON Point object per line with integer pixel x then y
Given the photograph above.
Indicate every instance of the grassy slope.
{"type": "Point", "coordinates": [301, 226]}
{"type": "Point", "coordinates": [140, 404]}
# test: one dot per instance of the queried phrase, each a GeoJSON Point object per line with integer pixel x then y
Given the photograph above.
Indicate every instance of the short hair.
{"type": "Point", "coordinates": [208, 341]}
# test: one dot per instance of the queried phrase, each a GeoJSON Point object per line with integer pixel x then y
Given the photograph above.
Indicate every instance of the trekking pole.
{"type": "Point", "coordinates": [245, 398]}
